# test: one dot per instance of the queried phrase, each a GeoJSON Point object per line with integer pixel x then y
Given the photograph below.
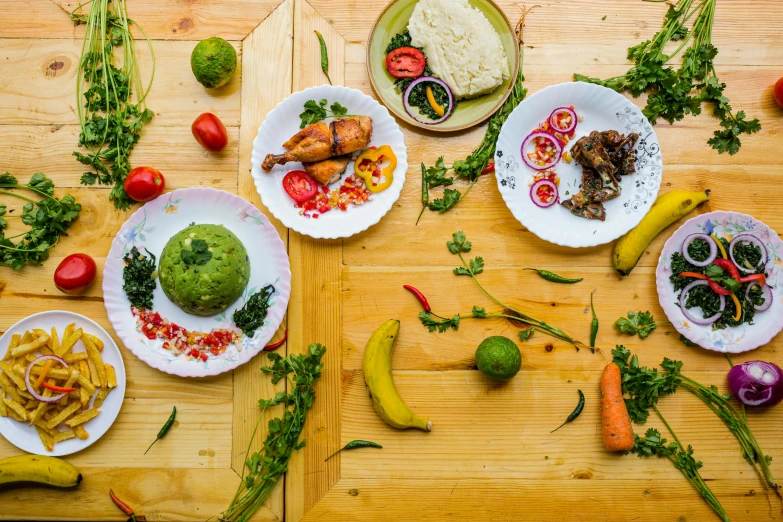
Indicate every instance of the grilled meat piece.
{"type": "Point", "coordinates": [351, 134]}
{"type": "Point", "coordinates": [611, 139]}
{"type": "Point", "coordinates": [585, 197]}
{"type": "Point", "coordinates": [591, 179]}
{"type": "Point", "coordinates": [329, 170]}
{"type": "Point", "coordinates": [589, 151]}
{"type": "Point", "coordinates": [624, 157]}
{"type": "Point", "coordinates": [590, 211]}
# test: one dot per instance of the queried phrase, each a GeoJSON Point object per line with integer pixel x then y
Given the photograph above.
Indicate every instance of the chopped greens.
{"type": "Point", "coordinates": [138, 278]}
{"type": "Point", "coordinates": [251, 316]}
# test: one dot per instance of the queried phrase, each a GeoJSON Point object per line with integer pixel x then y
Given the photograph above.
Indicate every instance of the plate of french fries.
{"type": "Point", "coordinates": [62, 383]}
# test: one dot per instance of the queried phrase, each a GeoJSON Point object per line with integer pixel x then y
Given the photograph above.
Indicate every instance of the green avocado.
{"type": "Point", "coordinates": [213, 62]}
{"type": "Point", "coordinates": [498, 358]}
{"type": "Point", "coordinates": [204, 269]}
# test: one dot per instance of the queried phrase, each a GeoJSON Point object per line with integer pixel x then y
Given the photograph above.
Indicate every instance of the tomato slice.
{"type": "Point", "coordinates": [300, 186]}
{"type": "Point", "coordinates": [405, 62]}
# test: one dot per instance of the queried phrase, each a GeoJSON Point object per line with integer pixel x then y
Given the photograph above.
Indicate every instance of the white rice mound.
{"type": "Point", "coordinates": [462, 47]}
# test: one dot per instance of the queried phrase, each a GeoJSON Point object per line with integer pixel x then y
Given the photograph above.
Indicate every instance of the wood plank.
{"type": "Point", "coordinates": [315, 311]}
{"type": "Point", "coordinates": [185, 20]}
{"type": "Point", "coordinates": [39, 84]}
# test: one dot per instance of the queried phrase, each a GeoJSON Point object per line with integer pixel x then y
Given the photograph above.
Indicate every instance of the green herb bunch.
{"type": "Point", "coordinates": [674, 93]}
{"type": "Point", "coordinates": [110, 124]}
{"type": "Point", "coordinates": [264, 468]}
{"type": "Point", "coordinates": [48, 218]}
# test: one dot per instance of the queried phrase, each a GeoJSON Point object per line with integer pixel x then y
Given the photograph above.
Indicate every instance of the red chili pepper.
{"type": "Point", "coordinates": [122, 505]}
{"type": "Point", "coordinates": [717, 288]}
{"type": "Point", "coordinates": [423, 300]}
{"type": "Point", "coordinates": [728, 266]}
{"type": "Point", "coordinates": [274, 346]}
{"type": "Point", "coordinates": [760, 278]}
{"type": "Point", "coordinates": [58, 389]}
{"type": "Point", "coordinates": [695, 275]}
{"type": "Point", "coordinates": [490, 168]}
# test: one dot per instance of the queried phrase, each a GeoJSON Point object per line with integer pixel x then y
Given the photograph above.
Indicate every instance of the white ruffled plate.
{"type": "Point", "coordinates": [24, 436]}
{"type": "Point", "coordinates": [283, 122]}
{"type": "Point", "coordinates": [603, 109]}
{"type": "Point", "coordinates": [150, 228]}
{"type": "Point", "coordinates": [737, 339]}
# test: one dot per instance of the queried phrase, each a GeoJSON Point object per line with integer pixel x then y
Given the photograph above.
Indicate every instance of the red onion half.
{"type": "Point", "coordinates": [756, 383]}
{"type": "Point", "coordinates": [534, 193]}
{"type": "Point", "coordinates": [406, 99]}
{"type": "Point", "coordinates": [553, 119]}
{"type": "Point", "coordinates": [30, 389]}
{"type": "Point", "coordinates": [555, 144]}
{"type": "Point", "coordinates": [713, 249]}
{"type": "Point", "coordinates": [707, 320]}
{"type": "Point", "coordinates": [748, 238]}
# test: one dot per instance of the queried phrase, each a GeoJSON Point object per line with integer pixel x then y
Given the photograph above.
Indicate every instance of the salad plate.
{"type": "Point", "coordinates": [150, 228]}
{"type": "Point", "coordinates": [732, 339]}
{"type": "Point", "coordinates": [598, 109]}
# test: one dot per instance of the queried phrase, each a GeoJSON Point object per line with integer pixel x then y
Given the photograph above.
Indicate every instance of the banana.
{"type": "Point", "coordinates": [378, 378]}
{"type": "Point", "coordinates": [37, 469]}
{"type": "Point", "coordinates": [667, 209]}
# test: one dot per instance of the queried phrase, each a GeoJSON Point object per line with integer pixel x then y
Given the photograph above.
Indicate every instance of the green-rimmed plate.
{"type": "Point", "coordinates": [394, 20]}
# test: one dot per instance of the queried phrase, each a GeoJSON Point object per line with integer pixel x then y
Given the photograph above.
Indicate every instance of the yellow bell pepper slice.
{"type": "Point", "coordinates": [720, 246]}
{"type": "Point", "coordinates": [369, 162]}
{"type": "Point", "coordinates": [738, 306]}
{"type": "Point", "coordinates": [439, 109]}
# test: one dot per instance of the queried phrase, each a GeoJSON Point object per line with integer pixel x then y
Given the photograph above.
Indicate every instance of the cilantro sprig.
{"type": "Point", "coordinates": [675, 93]}
{"type": "Point", "coordinates": [315, 111]}
{"type": "Point", "coordinates": [641, 323]}
{"type": "Point", "coordinates": [198, 254]}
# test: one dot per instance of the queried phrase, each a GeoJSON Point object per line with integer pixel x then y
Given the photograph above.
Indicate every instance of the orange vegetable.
{"type": "Point", "coordinates": [617, 429]}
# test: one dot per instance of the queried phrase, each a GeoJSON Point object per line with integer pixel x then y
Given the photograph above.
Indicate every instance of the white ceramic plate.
{"type": "Point", "coordinates": [745, 337]}
{"type": "Point", "coordinates": [150, 228]}
{"type": "Point", "coordinates": [602, 109]}
{"type": "Point", "coordinates": [283, 122]}
{"type": "Point", "coordinates": [23, 436]}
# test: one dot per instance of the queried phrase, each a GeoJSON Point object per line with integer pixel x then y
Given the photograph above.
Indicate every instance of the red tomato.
{"type": "Point", "coordinates": [210, 132]}
{"type": "Point", "coordinates": [405, 62]}
{"type": "Point", "coordinates": [778, 92]}
{"type": "Point", "coordinates": [75, 274]}
{"type": "Point", "coordinates": [300, 186]}
{"type": "Point", "coordinates": [144, 184]}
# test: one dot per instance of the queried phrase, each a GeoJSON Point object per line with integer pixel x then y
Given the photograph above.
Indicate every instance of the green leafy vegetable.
{"type": "Point", "coordinates": [476, 266]}
{"type": "Point", "coordinates": [672, 94]}
{"type": "Point", "coordinates": [402, 39]}
{"type": "Point", "coordinates": [315, 111]}
{"type": "Point", "coordinates": [198, 254]}
{"type": "Point", "coordinates": [641, 323]}
{"type": "Point", "coordinates": [443, 324]}
{"type": "Point", "coordinates": [251, 316]}
{"type": "Point", "coordinates": [138, 278]}
{"type": "Point", "coordinates": [110, 124]}
{"type": "Point", "coordinates": [525, 335]}
{"type": "Point", "coordinates": [264, 468]}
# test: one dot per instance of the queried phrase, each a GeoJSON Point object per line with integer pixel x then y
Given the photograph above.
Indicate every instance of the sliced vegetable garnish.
{"type": "Point", "coordinates": [756, 383]}
{"type": "Point", "coordinates": [547, 153]}
{"type": "Point", "coordinates": [753, 240]}
{"type": "Point", "coordinates": [439, 109]}
{"type": "Point", "coordinates": [412, 113]}
{"type": "Point", "coordinates": [405, 62]}
{"type": "Point", "coordinates": [766, 293]}
{"type": "Point", "coordinates": [369, 167]}
{"type": "Point", "coordinates": [706, 320]}
{"type": "Point", "coordinates": [544, 193]}
{"type": "Point", "coordinates": [300, 186]}
{"type": "Point", "coordinates": [563, 119]}
{"type": "Point", "coordinates": [30, 388]}
{"type": "Point", "coordinates": [713, 249]}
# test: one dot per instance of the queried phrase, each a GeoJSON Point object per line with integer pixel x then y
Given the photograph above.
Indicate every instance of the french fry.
{"type": "Point", "coordinates": [15, 416]}
{"type": "Point", "coordinates": [3, 407]}
{"type": "Point", "coordinates": [46, 351]}
{"type": "Point", "coordinates": [100, 397]}
{"type": "Point", "coordinates": [69, 384]}
{"type": "Point", "coordinates": [68, 343]}
{"type": "Point", "coordinates": [26, 338]}
{"type": "Point", "coordinates": [71, 358]}
{"type": "Point", "coordinates": [69, 330]}
{"type": "Point", "coordinates": [97, 342]}
{"type": "Point", "coordinates": [8, 370]}
{"type": "Point", "coordinates": [9, 388]}
{"type": "Point", "coordinates": [111, 376]}
{"type": "Point", "coordinates": [41, 423]}
{"type": "Point", "coordinates": [32, 346]}
{"type": "Point", "coordinates": [84, 369]}
{"type": "Point", "coordinates": [26, 395]}
{"type": "Point", "coordinates": [63, 435]}
{"type": "Point", "coordinates": [64, 414]}
{"type": "Point", "coordinates": [95, 356]}
{"type": "Point", "coordinates": [46, 439]}
{"type": "Point", "coordinates": [39, 332]}
{"type": "Point", "coordinates": [16, 408]}
{"type": "Point", "coordinates": [54, 342]}
{"type": "Point", "coordinates": [82, 417]}
{"type": "Point", "coordinates": [14, 343]}
{"type": "Point", "coordinates": [81, 432]}
{"type": "Point", "coordinates": [94, 378]}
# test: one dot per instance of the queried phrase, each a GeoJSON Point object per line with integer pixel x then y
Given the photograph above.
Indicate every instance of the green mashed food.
{"type": "Point", "coordinates": [204, 269]}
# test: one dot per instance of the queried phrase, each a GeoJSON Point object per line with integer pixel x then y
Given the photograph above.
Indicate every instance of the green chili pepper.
{"type": "Point", "coordinates": [165, 429]}
{"type": "Point", "coordinates": [593, 324]}
{"type": "Point", "coordinates": [574, 414]}
{"type": "Point", "coordinates": [353, 445]}
{"type": "Point", "coordinates": [324, 56]}
{"type": "Point", "coordinates": [549, 276]}
{"type": "Point", "coordinates": [425, 192]}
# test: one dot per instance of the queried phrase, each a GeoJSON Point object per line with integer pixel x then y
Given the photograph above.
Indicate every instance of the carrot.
{"type": "Point", "coordinates": [617, 430]}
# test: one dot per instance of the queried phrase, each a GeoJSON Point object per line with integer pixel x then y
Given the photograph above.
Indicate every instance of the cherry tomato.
{"type": "Point", "coordinates": [405, 62]}
{"type": "Point", "coordinates": [300, 186]}
{"type": "Point", "coordinates": [144, 184]}
{"type": "Point", "coordinates": [75, 274]}
{"type": "Point", "coordinates": [778, 92]}
{"type": "Point", "coordinates": [210, 132]}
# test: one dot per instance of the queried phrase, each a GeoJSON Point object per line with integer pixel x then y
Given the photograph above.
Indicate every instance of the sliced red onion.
{"type": "Point", "coordinates": [766, 290]}
{"type": "Point", "coordinates": [555, 144]}
{"type": "Point", "coordinates": [707, 320]}
{"type": "Point", "coordinates": [756, 383]}
{"type": "Point", "coordinates": [543, 183]}
{"type": "Point", "coordinates": [407, 94]}
{"type": "Point", "coordinates": [30, 389]}
{"type": "Point", "coordinates": [713, 249]}
{"type": "Point", "coordinates": [553, 119]}
{"type": "Point", "coordinates": [748, 238]}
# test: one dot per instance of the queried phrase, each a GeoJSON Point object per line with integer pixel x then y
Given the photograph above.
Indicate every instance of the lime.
{"type": "Point", "coordinates": [498, 357]}
{"type": "Point", "coordinates": [213, 62]}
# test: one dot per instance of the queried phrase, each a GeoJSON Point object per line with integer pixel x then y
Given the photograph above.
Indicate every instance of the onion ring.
{"type": "Point", "coordinates": [713, 249]}
{"type": "Point", "coordinates": [766, 290]}
{"type": "Point", "coordinates": [30, 389]}
{"type": "Point", "coordinates": [534, 196]}
{"type": "Point", "coordinates": [748, 238]}
{"type": "Point", "coordinates": [553, 119]}
{"type": "Point", "coordinates": [707, 320]}
{"type": "Point", "coordinates": [407, 94]}
{"type": "Point", "coordinates": [555, 144]}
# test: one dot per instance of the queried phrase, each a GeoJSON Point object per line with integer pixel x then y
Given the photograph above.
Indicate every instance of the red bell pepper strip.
{"type": "Point", "coordinates": [423, 300]}
{"type": "Point", "coordinates": [717, 288]}
{"type": "Point", "coordinates": [58, 389]}
{"type": "Point", "coordinates": [759, 278]}
{"type": "Point", "coordinates": [489, 169]}
{"type": "Point", "coordinates": [694, 275]}
{"type": "Point", "coordinates": [274, 346]}
{"type": "Point", "coordinates": [728, 266]}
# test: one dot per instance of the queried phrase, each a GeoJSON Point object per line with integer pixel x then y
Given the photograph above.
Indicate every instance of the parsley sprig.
{"type": "Point", "coordinates": [674, 93]}
{"type": "Point", "coordinates": [460, 245]}
{"type": "Point", "coordinates": [641, 323]}
{"type": "Point", "coordinates": [264, 468]}
{"type": "Point", "coordinates": [315, 111]}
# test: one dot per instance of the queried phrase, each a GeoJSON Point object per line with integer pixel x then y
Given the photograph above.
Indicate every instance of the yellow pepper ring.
{"type": "Point", "coordinates": [373, 156]}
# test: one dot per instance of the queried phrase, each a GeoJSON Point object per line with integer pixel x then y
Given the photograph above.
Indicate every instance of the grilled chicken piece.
{"type": "Point", "coordinates": [590, 211]}
{"type": "Point", "coordinates": [589, 151]}
{"type": "Point", "coordinates": [624, 156]}
{"type": "Point", "coordinates": [351, 134]}
{"type": "Point", "coordinates": [311, 144]}
{"type": "Point", "coordinates": [585, 197]}
{"type": "Point", "coordinates": [591, 179]}
{"type": "Point", "coordinates": [329, 170]}
{"type": "Point", "coordinates": [611, 139]}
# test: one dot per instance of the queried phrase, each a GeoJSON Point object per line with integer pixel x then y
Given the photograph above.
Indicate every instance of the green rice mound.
{"type": "Point", "coordinates": [213, 62]}
{"type": "Point", "coordinates": [204, 282]}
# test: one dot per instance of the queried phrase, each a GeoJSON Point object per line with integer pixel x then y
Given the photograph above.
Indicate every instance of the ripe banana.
{"type": "Point", "coordinates": [36, 469]}
{"type": "Point", "coordinates": [378, 378]}
{"type": "Point", "coordinates": [667, 209]}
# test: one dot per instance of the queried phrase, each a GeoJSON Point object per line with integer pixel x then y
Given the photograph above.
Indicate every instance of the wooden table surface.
{"type": "Point", "coordinates": [490, 455]}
